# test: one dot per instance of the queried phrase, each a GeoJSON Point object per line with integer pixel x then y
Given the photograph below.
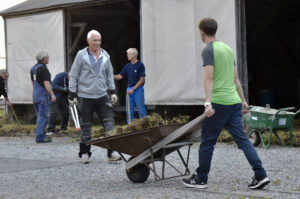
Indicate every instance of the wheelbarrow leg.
{"type": "Point", "coordinates": [261, 138]}
{"type": "Point", "coordinates": [157, 177]}
{"type": "Point", "coordinates": [270, 139]}
{"type": "Point", "coordinates": [291, 136]}
{"type": "Point", "coordinates": [185, 164]}
{"type": "Point", "coordinates": [187, 161]}
{"type": "Point", "coordinates": [163, 166]}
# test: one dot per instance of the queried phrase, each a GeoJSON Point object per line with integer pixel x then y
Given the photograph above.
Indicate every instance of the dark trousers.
{"type": "Point", "coordinates": [230, 118]}
{"type": "Point", "coordinates": [102, 106]}
{"type": "Point", "coordinates": [62, 106]}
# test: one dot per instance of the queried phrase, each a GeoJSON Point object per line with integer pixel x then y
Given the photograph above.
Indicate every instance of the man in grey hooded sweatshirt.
{"type": "Point", "coordinates": [91, 78]}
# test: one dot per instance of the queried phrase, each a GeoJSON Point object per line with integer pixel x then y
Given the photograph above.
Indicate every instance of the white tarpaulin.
{"type": "Point", "coordinates": [171, 47]}
{"type": "Point", "coordinates": [26, 36]}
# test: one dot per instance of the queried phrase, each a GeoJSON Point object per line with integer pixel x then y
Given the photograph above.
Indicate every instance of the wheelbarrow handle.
{"type": "Point", "coordinates": [281, 110]}
{"type": "Point", "coordinates": [289, 109]}
{"type": "Point", "coordinates": [249, 107]}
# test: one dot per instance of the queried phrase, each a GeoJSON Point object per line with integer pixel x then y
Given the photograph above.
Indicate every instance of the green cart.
{"type": "Point", "coordinates": [263, 119]}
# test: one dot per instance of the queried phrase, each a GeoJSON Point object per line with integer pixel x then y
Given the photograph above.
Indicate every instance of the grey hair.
{"type": "Point", "coordinates": [41, 55]}
{"type": "Point", "coordinates": [4, 72]}
{"type": "Point", "coordinates": [92, 32]}
{"type": "Point", "coordinates": [133, 50]}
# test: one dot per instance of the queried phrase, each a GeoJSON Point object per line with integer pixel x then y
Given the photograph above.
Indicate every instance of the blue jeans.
{"type": "Point", "coordinates": [136, 99]}
{"type": "Point", "coordinates": [230, 118]}
{"type": "Point", "coordinates": [42, 112]}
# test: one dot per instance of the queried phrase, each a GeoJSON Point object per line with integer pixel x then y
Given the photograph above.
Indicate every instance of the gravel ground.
{"type": "Point", "coordinates": [29, 170]}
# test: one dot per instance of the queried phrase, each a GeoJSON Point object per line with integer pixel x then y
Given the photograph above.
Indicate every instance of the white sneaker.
{"type": "Point", "coordinates": [49, 133]}
{"type": "Point", "coordinates": [113, 157]}
{"type": "Point", "coordinates": [85, 159]}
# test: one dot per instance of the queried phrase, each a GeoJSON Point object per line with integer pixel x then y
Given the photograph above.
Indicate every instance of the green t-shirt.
{"type": "Point", "coordinates": [220, 55]}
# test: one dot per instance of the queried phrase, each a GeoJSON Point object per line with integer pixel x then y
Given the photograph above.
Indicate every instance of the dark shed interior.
{"type": "Point", "coordinates": [119, 26]}
{"type": "Point", "coordinates": [273, 52]}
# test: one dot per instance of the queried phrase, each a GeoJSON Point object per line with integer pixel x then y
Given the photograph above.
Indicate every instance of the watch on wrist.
{"type": "Point", "coordinates": [207, 104]}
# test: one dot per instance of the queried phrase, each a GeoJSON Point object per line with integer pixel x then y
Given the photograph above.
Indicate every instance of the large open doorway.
{"type": "Point", "coordinates": [119, 25]}
{"type": "Point", "coordinates": [273, 52]}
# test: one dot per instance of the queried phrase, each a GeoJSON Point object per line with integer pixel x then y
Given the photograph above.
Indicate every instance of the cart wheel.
{"type": "Point", "coordinates": [254, 137]}
{"type": "Point", "coordinates": [138, 173]}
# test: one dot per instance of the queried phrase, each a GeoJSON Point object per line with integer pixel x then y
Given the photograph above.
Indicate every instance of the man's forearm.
{"type": "Point", "coordinates": [118, 77]}
{"type": "Point", "coordinates": [208, 85]}
{"type": "Point", "coordinates": [48, 87]}
{"type": "Point", "coordinates": [140, 82]}
{"type": "Point", "coordinates": [239, 89]}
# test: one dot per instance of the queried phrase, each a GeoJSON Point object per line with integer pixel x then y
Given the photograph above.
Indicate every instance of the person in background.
{"type": "Point", "coordinates": [60, 87]}
{"type": "Point", "coordinates": [42, 93]}
{"type": "Point", "coordinates": [134, 71]}
{"type": "Point", "coordinates": [91, 78]}
{"type": "Point", "coordinates": [4, 76]}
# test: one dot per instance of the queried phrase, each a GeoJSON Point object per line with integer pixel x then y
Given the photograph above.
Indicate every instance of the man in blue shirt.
{"type": "Point", "coordinates": [60, 88]}
{"type": "Point", "coordinates": [135, 73]}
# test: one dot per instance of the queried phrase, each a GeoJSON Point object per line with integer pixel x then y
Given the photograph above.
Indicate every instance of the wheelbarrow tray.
{"type": "Point", "coordinates": [151, 145]}
{"type": "Point", "coordinates": [262, 118]}
{"type": "Point", "coordinates": [136, 142]}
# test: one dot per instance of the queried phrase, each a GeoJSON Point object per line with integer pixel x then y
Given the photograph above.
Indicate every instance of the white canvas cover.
{"type": "Point", "coordinates": [26, 36]}
{"type": "Point", "coordinates": [171, 47]}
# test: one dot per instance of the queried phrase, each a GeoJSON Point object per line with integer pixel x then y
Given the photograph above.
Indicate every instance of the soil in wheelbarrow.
{"type": "Point", "coordinates": [150, 121]}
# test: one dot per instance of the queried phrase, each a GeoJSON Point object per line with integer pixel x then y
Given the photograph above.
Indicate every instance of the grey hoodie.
{"type": "Point", "coordinates": [85, 82]}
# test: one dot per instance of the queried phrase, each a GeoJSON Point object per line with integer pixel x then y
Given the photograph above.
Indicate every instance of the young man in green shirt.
{"type": "Point", "coordinates": [223, 107]}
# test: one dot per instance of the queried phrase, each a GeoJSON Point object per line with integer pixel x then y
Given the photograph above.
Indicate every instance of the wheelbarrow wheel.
{"type": "Point", "coordinates": [138, 173]}
{"type": "Point", "coordinates": [254, 137]}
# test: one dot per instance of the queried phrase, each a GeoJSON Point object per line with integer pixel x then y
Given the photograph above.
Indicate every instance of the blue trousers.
{"type": "Point", "coordinates": [42, 113]}
{"type": "Point", "coordinates": [136, 99]}
{"type": "Point", "coordinates": [230, 118]}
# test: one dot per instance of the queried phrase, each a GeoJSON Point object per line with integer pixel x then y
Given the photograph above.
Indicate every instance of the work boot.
{"type": "Point", "coordinates": [84, 153]}
{"type": "Point", "coordinates": [111, 157]}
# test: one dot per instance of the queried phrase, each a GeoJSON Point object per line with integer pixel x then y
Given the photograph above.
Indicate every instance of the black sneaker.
{"type": "Point", "coordinates": [259, 182]}
{"type": "Point", "coordinates": [194, 182]}
{"type": "Point", "coordinates": [46, 140]}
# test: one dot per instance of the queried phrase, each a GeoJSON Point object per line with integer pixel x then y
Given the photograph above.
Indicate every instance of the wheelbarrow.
{"type": "Point", "coordinates": [265, 119]}
{"type": "Point", "coordinates": [148, 146]}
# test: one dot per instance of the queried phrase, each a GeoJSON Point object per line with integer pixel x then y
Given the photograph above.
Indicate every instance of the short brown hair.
{"type": "Point", "coordinates": [209, 26]}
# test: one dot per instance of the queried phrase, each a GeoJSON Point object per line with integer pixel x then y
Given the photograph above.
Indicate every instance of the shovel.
{"type": "Point", "coordinates": [15, 116]}
{"type": "Point", "coordinates": [128, 109]}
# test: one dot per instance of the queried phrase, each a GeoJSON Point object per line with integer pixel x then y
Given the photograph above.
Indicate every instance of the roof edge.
{"type": "Point", "coordinates": [54, 7]}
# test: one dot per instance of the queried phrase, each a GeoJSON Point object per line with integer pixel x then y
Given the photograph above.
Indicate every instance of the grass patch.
{"type": "Point", "coordinates": [10, 128]}
{"type": "Point", "coordinates": [226, 137]}
{"type": "Point", "coordinates": [276, 182]}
